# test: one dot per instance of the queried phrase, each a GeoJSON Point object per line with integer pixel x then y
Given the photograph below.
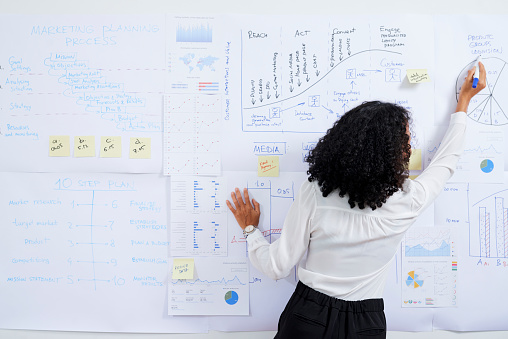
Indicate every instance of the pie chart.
{"type": "Point", "coordinates": [487, 166]}
{"type": "Point", "coordinates": [413, 280]}
{"type": "Point", "coordinates": [231, 297]}
{"type": "Point", "coordinates": [490, 106]}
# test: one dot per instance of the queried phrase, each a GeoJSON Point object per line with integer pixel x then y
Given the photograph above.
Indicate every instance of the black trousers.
{"type": "Point", "coordinates": [312, 314]}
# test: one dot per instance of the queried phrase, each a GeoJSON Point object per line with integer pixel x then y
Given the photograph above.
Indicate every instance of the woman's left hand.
{"type": "Point", "coordinates": [245, 213]}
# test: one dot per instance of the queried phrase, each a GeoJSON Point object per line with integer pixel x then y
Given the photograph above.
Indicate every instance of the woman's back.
{"type": "Point", "coordinates": [349, 248]}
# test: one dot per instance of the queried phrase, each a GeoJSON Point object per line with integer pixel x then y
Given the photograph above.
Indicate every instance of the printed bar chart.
{"type": "Point", "coordinates": [489, 227]}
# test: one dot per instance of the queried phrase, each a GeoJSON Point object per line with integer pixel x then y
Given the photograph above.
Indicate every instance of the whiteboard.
{"type": "Point", "coordinates": [149, 166]}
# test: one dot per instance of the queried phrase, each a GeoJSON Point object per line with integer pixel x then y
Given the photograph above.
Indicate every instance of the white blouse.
{"type": "Point", "coordinates": [349, 249]}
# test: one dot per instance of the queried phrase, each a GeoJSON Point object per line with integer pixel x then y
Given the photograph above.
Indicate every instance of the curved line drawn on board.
{"type": "Point", "coordinates": [301, 107]}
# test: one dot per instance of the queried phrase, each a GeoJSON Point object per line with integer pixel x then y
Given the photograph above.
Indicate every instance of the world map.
{"type": "Point", "coordinates": [192, 62]}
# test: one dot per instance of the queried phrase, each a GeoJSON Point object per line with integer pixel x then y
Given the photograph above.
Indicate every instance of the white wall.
{"type": "Point", "coordinates": [247, 7]}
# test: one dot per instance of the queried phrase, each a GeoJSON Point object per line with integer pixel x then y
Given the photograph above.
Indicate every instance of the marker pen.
{"type": "Point", "coordinates": [476, 76]}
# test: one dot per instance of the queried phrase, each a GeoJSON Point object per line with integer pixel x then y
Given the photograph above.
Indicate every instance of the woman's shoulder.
{"type": "Point", "coordinates": [309, 187]}
{"type": "Point", "coordinates": [333, 199]}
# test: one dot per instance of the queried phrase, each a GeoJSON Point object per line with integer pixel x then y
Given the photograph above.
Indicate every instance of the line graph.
{"type": "Point", "coordinates": [180, 164]}
{"type": "Point", "coordinates": [180, 123]}
{"type": "Point", "coordinates": [206, 122]}
{"type": "Point", "coordinates": [206, 143]}
{"type": "Point", "coordinates": [192, 139]}
{"type": "Point", "coordinates": [489, 149]}
{"type": "Point", "coordinates": [429, 242]}
{"type": "Point", "coordinates": [222, 281]}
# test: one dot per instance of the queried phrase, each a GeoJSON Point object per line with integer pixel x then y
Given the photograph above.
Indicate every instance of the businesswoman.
{"type": "Point", "coordinates": [350, 217]}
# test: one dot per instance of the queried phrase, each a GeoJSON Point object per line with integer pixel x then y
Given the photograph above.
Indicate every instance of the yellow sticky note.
{"type": "Point", "coordinates": [416, 76]}
{"type": "Point", "coordinates": [415, 160]}
{"type": "Point", "coordinates": [84, 146]}
{"type": "Point", "coordinates": [268, 166]}
{"type": "Point", "coordinates": [111, 147]}
{"type": "Point", "coordinates": [183, 268]}
{"type": "Point", "coordinates": [59, 146]}
{"type": "Point", "coordinates": [140, 148]}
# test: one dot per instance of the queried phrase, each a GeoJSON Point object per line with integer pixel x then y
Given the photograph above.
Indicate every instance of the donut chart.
{"type": "Point", "coordinates": [490, 106]}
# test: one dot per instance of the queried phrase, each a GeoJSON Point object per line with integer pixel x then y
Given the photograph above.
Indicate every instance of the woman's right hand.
{"type": "Point", "coordinates": [245, 213]}
{"type": "Point", "coordinates": [467, 92]}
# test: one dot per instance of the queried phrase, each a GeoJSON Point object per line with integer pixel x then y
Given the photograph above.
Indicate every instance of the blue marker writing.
{"type": "Point", "coordinates": [476, 76]}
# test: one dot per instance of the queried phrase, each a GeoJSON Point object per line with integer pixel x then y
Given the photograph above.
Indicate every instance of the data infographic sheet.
{"type": "Point", "coordinates": [220, 288]}
{"type": "Point", "coordinates": [479, 213]}
{"type": "Point", "coordinates": [198, 216]}
{"type": "Point", "coordinates": [123, 137]}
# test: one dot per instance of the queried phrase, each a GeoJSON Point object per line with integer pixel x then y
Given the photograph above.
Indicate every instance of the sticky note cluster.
{"type": "Point", "coordinates": [110, 147]}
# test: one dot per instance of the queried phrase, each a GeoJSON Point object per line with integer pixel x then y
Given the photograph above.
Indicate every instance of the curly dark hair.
{"type": "Point", "coordinates": [365, 154]}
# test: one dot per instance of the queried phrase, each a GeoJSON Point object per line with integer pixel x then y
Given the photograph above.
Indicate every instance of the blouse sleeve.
{"type": "Point", "coordinates": [278, 258]}
{"type": "Point", "coordinates": [432, 180]}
